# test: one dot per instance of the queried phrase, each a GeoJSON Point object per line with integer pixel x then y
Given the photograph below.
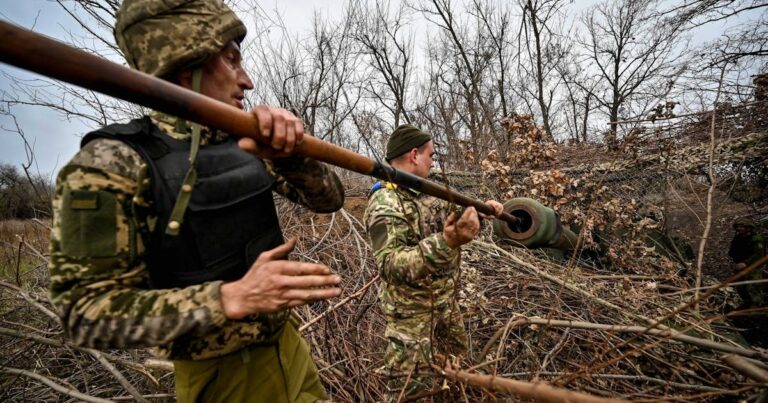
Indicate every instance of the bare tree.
{"type": "Point", "coordinates": [496, 23]}
{"type": "Point", "coordinates": [466, 53]}
{"type": "Point", "coordinates": [635, 58]}
{"type": "Point", "coordinates": [388, 48]}
{"type": "Point", "coordinates": [544, 51]}
{"type": "Point", "coordinates": [467, 91]}
{"type": "Point", "coordinates": [695, 13]}
{"type": "Point", "coordinates": [315, 78]}
{"type": "Point", "coordinates": [579, 92]}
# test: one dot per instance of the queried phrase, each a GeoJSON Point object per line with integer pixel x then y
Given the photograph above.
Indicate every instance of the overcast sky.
{"type": "Point", "coordinates": [55, 139]}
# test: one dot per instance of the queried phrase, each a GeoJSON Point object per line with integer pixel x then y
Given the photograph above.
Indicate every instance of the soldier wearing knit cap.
{"type": "Point", "coordinates": [416, 240]}
{"type": "Point", "coordinates": [403, 139]}
{"type": "Point", "coordinates": [165, 233]}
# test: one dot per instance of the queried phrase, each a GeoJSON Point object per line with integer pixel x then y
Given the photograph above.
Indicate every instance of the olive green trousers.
{"type": "Point", "coordinates": [282, 372]}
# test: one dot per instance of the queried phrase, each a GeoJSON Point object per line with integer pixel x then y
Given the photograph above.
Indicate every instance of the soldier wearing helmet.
{"type": "Point", "coordinates": [416, 240]}
{"type": "Point", "coordinates": [166, 234]}
{"type": "Point", "coordinates": [746, 248]}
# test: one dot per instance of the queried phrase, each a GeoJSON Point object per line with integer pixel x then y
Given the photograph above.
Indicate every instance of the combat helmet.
{"type": "Point", "coordinates": [161, 37]}
{"type": "Point", "coordinates": [744, 222]}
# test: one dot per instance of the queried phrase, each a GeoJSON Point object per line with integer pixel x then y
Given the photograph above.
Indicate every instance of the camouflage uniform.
{"type": "Point", "coordinates": [419, 272]}
{"type": "Point", "coordinates": [99, 277]}
{"type": "Point", "coordinates": [748, 248]}
{"type": "Point", "coordinates": [104, 214]}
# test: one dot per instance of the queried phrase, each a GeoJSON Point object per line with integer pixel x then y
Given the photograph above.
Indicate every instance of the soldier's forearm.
{"type": "Point", "coordinates": [308, 182]}
{"type": "Point", "coordinates": [125, 318]}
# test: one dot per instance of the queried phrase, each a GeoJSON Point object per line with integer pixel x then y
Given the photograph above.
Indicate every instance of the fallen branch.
{"type": "Point", "coordinates": [674, 312]}
{"type": "Point", "coordinates": [563, 283]}
{"type": "Point", "coordinates": [539, 391]}
{"type": "Point", "coordinates": [356, 294]}
{"type": "Point", "coordinates": [159, 363]}
{"type": "Point", "coordinates": [716, 285]}
{"type": "Point", "coordinates": [27, 297]}
{"type": "Point", "coordinates": [642, 378]}
{"type": "Point", "coordinates": [56, 343]}
{"type": "Point", "coordinates": [164, 396]}
{"type": "Point", "coordinates": [65, 390]}
{"type": "Point", "coordinates": [746, 368]}
{"type": "Point", "coordinates": [670, 334]}
{"type": "Point", "coordinates": [120, 378]}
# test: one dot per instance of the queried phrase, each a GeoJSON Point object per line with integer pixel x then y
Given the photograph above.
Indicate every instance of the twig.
{"type": "Point", "coordinates": [42, 224]}
{"type": "Point", "coordinates": [31, 300]}
{"type": "Point", "coordinates": [501, 331]}
{"type": "Point", "coordinates": [716, 285]}
{"type": "Point", "coordinates": [55, 386]}
{"type": "Point", "coordinates": [120, 378]}
{"type": "Point", "coordinates": [318, 243]}
{"type": "Point", "coordinates": [37, 253]}
{"type": "Point", "coordinates": [159, 363]}
{"type": "Point", "coordinates": [164, 396]}
{"type": "Point", "coordinates": [18, 261]}
{"type": "Point", "coordinates": [711, 190]}
{"type": "Point", "coordinates": [657, 323]}
{"type": "Point", "coordinates": [557, 280]}
{"type": "Point", "coordinates": [344, 301]}
{"type": "Point", "coordinates": [405, 386]}
{"type": "Point", "coordinates": [746, 368]}
{"type": "Point", "coordinates": [539, 391]}
{"type": "Point", "coordinates": [554, 350]}
{"type": "Point", "coordinates": [56, 343]}
{"type": "Point", "coordinates": [671, 334]}
{"type": "Point", "coordinates": [642, 378]}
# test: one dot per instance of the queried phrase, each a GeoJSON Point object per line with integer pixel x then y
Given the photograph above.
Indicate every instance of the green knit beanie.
{"type": "Point", "coordinates": [404, 139]}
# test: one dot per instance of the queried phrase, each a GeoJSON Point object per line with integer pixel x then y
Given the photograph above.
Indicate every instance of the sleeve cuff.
{"type": "Point", "coordinates": [217, 310]}
{"type": "Point", "coordinates": [291, 163]}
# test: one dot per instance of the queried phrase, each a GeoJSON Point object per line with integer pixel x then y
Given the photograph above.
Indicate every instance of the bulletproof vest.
{"type": "Point", "coordinates": [231, 216]}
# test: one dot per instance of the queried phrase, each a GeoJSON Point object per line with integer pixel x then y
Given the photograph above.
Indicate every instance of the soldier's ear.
{"type": "Point", "coordinates": [413, 156]}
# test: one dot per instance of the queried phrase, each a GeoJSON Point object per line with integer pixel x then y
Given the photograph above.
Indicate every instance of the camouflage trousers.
{"type": "Point", "coordinates": [411, 343]}
{"type": "Point", "coordinates": [752, 295]}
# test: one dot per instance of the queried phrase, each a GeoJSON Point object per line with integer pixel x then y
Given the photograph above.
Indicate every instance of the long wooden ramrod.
{"type": "Point", "coordinates": [31, 51]}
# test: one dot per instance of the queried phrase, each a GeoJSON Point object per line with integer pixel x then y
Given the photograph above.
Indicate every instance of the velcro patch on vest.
{"type": "Point", "coordinates": [84, 200]}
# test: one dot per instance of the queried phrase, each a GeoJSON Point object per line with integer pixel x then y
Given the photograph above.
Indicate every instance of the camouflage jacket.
{"type": "Point", "coordinates": [104, 299]}
{"type": "Point", "coordinates": [747, 248]}
{"type": "Point", "coordinates": [418, 268]}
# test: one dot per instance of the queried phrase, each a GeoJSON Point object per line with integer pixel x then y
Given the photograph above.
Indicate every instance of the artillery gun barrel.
{"type": "Point", "coordinates": [538, 226]}
{"type": "Point", "coordinates": [31, 51]}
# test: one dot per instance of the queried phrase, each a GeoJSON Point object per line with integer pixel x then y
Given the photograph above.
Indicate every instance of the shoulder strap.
{"type": "Point", "coordinates": [136, 133]}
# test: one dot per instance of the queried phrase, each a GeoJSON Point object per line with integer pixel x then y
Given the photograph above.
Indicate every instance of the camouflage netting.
{"type": "Point", "coordinates": [650, 189]}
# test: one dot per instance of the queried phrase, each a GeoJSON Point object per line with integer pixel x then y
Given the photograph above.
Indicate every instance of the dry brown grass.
{"type": "Point", "coordinates": [21, 244]}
